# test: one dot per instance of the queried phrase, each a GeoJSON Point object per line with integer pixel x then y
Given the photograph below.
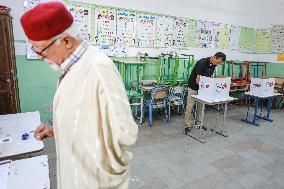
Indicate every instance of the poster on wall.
{"type": "Point", "coordinates": [105, 26]}
{"type": "Point", "coordinates": [180, 32]}
{"type": "Point", "coordinates": [263, 41]}
{"type": "Point", "coordinates": [164, 31]}
{"type": "Point", "coordinates": [247, 40]}
{"type": "Point", "coordinates": [224, 36]}
{"type": "Point", "coordinates": [191, 33]}
{"type": "Point", "coordinates": [126, 22]}
{"type": "Point", "coordinates": [30, 53]}
{"type": "Point", "coordinates": [277, 42]}
{"type": "Point", "coordinates": [234, 37]}
{"type": "Point", "coordinates": [207, 34]}
{"type": "Point", "coordinates": [146, 30]}
{"type": "Point", "coordinates": [82, 18]}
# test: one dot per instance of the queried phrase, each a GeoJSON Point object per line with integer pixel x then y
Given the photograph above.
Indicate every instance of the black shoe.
{"type": "Point", "coordinates": [187, 130]}
{"type": "Point", "coordinates": [203, 127]}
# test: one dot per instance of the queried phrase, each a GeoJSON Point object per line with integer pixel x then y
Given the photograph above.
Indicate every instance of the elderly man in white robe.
{"type": "Point", "coordinates": [91, 113]}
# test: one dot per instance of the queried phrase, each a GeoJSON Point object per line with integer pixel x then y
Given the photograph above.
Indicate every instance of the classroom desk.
{"type": "Point", "coordinates": [12, 129]}
{"type": "Point", "coordinates": [257, 116]}
{"type": "Point", "coordinates": [200, 134]}
{"type": "Point", "coordinates": [30, 173]}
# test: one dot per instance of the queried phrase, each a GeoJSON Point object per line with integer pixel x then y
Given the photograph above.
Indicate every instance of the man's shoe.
{"type": "Point", "coordinates": [197, 125]}
{"type": "Point", "coordinates": [187, 130]}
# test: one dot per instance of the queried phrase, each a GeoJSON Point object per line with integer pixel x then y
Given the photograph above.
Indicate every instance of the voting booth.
{"type": "Point", "coordinates": [214, 89]}
{"type": "Point", "coordinates": [262, 87]}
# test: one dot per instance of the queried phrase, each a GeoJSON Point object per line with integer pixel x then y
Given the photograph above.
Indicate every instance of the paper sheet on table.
{"type": "Point", "coordinates": [4, 173]}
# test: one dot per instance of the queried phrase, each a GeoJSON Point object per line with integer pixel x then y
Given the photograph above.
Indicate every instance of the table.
{"type": "Point", "coordinates": [12, 129]}
{"type": "Point", "coordinates": [200, 136]}
{"type": "Point", "coordinates": [31, 173]}
{"type": "Point", "coordinates": [257, 116]}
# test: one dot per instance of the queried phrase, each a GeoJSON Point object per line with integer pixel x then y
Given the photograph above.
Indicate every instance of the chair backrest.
{"type": "Point", "coordinates": [177, 90]}
{"type": "Point", "coordinates": [159, 93]}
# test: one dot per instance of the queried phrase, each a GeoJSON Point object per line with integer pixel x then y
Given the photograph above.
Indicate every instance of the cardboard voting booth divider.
{"type": "Point", "coordinates": [214, 89]}
{"type": "Point", "coordinates": [262, 87]}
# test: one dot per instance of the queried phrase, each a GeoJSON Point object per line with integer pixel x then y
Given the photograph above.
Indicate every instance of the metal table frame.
{"type": "Point", "coordinates": [257, 116]}
{"type": "Point", "coordinates": [200, 136]}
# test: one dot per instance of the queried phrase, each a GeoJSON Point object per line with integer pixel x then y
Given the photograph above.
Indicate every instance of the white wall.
{"type": "Point", "coordinates": [250, 13]}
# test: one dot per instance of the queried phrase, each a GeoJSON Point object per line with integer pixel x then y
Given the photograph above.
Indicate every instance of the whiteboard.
{"type": "Point", "coordinates": [146, 30]}
{"type": "Point", "coordinates": [12, 127]}
{"type": "Point", "coordinates": [164, 31]}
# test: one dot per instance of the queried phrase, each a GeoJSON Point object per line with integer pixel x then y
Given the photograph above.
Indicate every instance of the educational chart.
{"type": "Point", "coordinates": [146, 30]}
{"type": "Point", "coordinates": [105, 26]}
{"type": "Point", "coordinates": [277, 39]}
{"type": "Point", "coordinates": [164, 31]}
{"type": "Point", "coordinates": [247, 40]}
{"type": "Point", "coordinates": [207, 34]}
{"type": "Point", "coordinates": [234, 37]}
{"type": "Point", "coordinates": [191, 32]}
{"type": "Point", "coordinates": [263, 41]}
{"type": "Point", "coordinates": [30, 53]}
{"type": "Point", "coordinates": [180, 32]}
{"type": "Point", "coordinates": [223, 36]}
{"type": "Point", "coordinates": [82, 18]}
{"type": "Point", "coordinates": [126, 22]}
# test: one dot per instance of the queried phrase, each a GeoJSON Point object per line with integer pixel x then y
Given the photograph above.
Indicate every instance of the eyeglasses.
{"type": "Point", "coordinates": [40, 53]}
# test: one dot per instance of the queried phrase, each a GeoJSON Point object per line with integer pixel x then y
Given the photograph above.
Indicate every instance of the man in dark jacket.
{"type": "Point", "coordinates": [203, 67]}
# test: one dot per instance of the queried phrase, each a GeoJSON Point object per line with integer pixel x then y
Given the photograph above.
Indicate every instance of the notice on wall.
{"type": "Point", "coordinates": [191, 33]}
{"type": "Point", "coordinates": [247, 40]}
{"type": "Point", "coordinates": [263, 41]}
{"type": "Point", "coordinates": [126, 33]}
{"type": "Point", "coordinates": [180, 32]}
{"type": "Point", "coordinates": [234, 37]}
{"type": "Point", "coordinates": [105, 26]}
{"type": "Point", "coordinates": [277, 42]}
{"type": "Point", "coordinates": [146, 30]}
{"type": "Point", "coordinates": [224, 36]}
{"type": "Point", "coordinates": [82, 18]}
{"type": "Point", "coordinates": [164, 31]}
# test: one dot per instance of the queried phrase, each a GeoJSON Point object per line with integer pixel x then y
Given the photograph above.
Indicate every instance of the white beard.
{"type": "Point", "coordinates": [52, 65]}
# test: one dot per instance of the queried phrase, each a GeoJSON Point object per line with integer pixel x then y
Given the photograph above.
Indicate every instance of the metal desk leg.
{"type": "Point", "coordinates": [266, 117]}
{"type": "Point", "coordinates": [253, 122]}
{"type": "Point", "coordinates": [198, 136]}
{"type": "Point", "coordinates": [141, 111]}
{"type": "Point", "coordinates": [218, 130]}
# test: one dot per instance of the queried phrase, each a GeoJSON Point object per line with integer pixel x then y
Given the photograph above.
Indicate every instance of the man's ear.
{"type": "Point", "coordinates": [68, 41]}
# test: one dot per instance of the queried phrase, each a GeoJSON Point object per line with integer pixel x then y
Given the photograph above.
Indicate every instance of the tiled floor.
{"type": "Point", "coordinates": [250, 158]}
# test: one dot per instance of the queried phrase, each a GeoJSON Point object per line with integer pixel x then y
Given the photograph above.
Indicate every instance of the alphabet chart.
{"type": "Point", "coordinates": [146, 30]}
{"type": "Point", "coordinates": [278, 38]}
{"type": "Point", "coordinates": [180, 32]}
{"type": "Point", "coordinates": [164, 34]}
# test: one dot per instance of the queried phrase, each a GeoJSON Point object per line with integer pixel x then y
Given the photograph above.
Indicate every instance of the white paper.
{"type": "Point", "coordinates": [82, 18]}
{"type": "Point", "coordinates": [234, 37]}
{"type": "Point", "coordinates": [277, 39]}
{"type": "Point", "coordinates": [126, 22]}
{"type": "Point", "coordinates": [4, 173]}
{"type": "Point", "coordinates": [180, 40]}
{"type": "Point", "coordinates": [164, 31]}
{"type": "Point", "coordinates": [146, 30]}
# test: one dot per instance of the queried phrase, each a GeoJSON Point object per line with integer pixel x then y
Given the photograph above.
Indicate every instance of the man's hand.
{"type": "Point", "coordinates": [43, 132]}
